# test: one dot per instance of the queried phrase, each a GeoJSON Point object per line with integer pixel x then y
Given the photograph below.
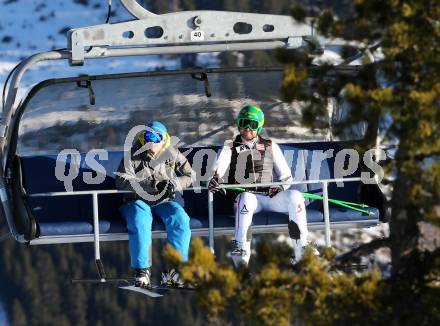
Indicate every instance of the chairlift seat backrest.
{"type": "Point", "coordinates": [70, 215]}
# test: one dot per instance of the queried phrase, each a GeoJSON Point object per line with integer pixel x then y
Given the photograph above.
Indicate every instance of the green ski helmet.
{"type": "Point", "coordinates": [247, 115]}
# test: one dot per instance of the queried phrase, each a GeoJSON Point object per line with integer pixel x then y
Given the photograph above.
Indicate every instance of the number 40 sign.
{"type": "Point", "coordinates": [197, 35]}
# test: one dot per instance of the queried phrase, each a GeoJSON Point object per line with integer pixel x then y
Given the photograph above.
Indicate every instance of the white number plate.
{"type": "Point", "coordinates": [197, 36]}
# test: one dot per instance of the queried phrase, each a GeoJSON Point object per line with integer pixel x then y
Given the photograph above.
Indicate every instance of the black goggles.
{"type": "Point", "coordinates": [249, 124]}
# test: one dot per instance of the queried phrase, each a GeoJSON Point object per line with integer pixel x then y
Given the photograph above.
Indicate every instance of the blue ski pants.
{"type": "Point", "coordinates": [139, 218]}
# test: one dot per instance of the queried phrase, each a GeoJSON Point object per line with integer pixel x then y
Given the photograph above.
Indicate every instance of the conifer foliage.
{"type": "Point", "coordinates": [399, 94]}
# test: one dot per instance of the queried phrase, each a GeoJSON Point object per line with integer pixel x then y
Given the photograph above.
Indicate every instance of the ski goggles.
{"type": "Point", "coordinates": [152, 137]}
{"type": "Point", "coordinates": [249, 124]}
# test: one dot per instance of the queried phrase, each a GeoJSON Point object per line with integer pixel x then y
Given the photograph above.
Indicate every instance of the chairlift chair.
{"type": "Point", "coordinates": [35, 203]}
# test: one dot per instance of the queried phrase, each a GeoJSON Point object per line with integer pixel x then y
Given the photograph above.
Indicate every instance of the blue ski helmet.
{"type": "Point", "coordinates": [156, 133]}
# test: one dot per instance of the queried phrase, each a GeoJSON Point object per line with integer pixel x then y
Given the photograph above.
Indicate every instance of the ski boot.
{"type": "Point", "coordinates": [241, 253]}
{"type": "Point", "coordinates": [172, 279]}
{"type": "Point", "coordinates": [298, 251]}
{"type": "Point", "coordinates": [143, 278]}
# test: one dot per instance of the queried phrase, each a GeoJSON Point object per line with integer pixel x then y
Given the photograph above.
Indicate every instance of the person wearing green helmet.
{"type": "Point", "coordinates": [250, 158]}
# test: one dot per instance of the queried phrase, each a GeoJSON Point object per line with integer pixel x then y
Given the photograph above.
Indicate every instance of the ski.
{"type": "Point", "coordinates": [172, 288]}
{"type": "Point", "coordinates": [149, 293]}
{"type": "Point", "coordinates": [156, 291]}
{"type": "Point", "coordinates": [348, 268]}
{"type": "Point", "coordinates": [355, 267]}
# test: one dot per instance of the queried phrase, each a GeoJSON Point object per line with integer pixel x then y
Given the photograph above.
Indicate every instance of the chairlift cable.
{"type": "Point", "coordinates": [109, 11]}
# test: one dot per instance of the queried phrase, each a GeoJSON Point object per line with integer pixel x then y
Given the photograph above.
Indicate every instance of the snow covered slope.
{"type": "Point", "coordinates": [31, 26]}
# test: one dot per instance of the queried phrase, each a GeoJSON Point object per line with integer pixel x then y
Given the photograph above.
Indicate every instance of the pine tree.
{"type": "Point", "coordinates": [402, 88]}
{"type": "Point", "coordinates": [404, 85]}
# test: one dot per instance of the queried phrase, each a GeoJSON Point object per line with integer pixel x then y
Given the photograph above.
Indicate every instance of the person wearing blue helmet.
{"type": "Point", "coordinates": [153, 171]}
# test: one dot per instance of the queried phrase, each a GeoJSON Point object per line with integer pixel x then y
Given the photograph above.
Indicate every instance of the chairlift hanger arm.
{"type": "Point", "coordinates": [195, 31]}
{"type": "Point", "coordinates": [134, 8]}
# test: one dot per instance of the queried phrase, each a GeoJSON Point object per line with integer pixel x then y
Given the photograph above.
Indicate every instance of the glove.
{"type": "Point", "coordinates": [214, 186]}
{"type": "Point", "coordinates": [168, 186]}
{"type": "Point", "coordinates": [274, 191]}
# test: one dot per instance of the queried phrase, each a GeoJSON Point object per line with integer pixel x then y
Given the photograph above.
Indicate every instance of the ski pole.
{"type": "Point", "coordinates": [314, 196]}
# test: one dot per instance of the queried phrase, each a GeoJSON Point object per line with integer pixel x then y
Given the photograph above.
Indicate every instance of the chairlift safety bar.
{"type": "Point", "coordinates": [95, 193]}
{"type": "Point", "coordinates": [246, 185]}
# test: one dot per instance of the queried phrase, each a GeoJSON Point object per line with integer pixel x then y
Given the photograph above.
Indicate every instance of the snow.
{"type": "Point", "coordinates": [5, 67]}
{"type": "Point", "coordinates": [31, 26]}
{"type": "Point", "coordinates": [345, 240]}
{"type": "Point", "coordinates": [328, 57]}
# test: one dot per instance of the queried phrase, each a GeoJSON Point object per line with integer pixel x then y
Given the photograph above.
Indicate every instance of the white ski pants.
{"type": "Point", "coordinates": [288, 201]}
